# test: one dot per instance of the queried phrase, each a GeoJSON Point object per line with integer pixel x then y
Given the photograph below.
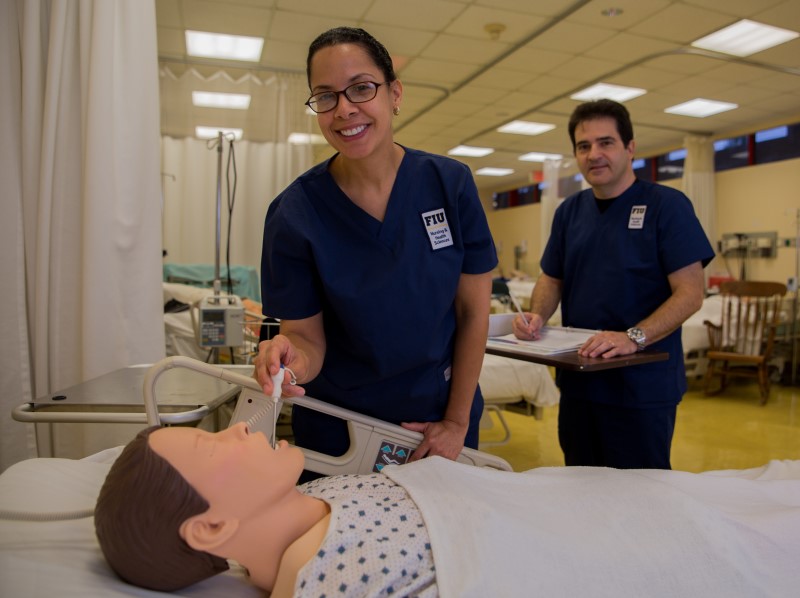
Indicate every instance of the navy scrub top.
{"type": "Point", "coordinates": [386, 289]}
{"type": "Point", "coordinates": [614, 267]}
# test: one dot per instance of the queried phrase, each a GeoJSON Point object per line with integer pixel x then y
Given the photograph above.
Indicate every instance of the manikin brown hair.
{"type": "Point", "coordinates": [139, 511]}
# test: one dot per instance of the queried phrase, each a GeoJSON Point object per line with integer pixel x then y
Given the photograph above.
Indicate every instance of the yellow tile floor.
{"type": "Point", "coordinates": [728, 431]}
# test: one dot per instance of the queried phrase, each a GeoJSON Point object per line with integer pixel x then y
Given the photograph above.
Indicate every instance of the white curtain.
{"type": "Point", "coordinates": [189, 174]}
{"type": "Point", "coordinates": [79, 162]}
{"type": "Point", "coordinates": [698, 181]}
{"type": "Point", "coordinates": [554, 171]}
{"type": "Point", "coordinates": [263, 169]}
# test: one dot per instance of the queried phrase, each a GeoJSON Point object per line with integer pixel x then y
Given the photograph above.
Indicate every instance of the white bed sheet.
{"type": "Point", "coordinates": [587, 531]}
{"type": "Point", "coordinates": [581, 531]}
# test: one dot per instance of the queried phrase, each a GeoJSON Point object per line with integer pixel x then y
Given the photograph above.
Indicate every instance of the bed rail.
{"type": "Point", "coordinates": [373, 443]}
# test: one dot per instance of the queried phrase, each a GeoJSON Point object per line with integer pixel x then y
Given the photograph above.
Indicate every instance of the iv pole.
{"type": "Point", "coordinates": [217, 283]}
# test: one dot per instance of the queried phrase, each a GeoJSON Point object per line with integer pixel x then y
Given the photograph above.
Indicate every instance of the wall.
{"type": "Point", "coordinates": [758, 198]}
{"type": "Point", "coordinates": [511, 227]}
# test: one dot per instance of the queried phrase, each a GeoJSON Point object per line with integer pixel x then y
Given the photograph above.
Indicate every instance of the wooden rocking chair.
{"type": "Point", "coordinates": [741, 343]}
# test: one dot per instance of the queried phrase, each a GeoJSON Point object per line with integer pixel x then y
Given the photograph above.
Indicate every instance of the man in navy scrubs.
{"type": "Point", "coordinates": [626, 258]}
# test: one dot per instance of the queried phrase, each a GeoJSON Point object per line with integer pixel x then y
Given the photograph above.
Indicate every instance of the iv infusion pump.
{"type": "Point", "coordinates": [221, 321]}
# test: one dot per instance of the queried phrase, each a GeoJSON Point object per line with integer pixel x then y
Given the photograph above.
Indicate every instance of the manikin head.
{"type": "Point", "coordinates": [175, 495]}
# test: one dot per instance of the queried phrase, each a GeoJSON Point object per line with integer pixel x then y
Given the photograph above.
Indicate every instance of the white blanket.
{"type": "Point", "coordinates": [604, 532]}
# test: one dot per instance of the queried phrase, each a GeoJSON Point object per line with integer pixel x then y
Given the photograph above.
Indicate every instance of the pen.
{"type": "Point", "coordinates": [519, 308]}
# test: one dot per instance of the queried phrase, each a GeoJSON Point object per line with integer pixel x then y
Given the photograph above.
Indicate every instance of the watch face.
{"type": "Point", "coordinates": [637, 336]}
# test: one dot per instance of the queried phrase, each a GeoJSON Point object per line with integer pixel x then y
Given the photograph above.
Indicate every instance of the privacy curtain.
{"type": "Point", "coordinates": [262, 168]}
{"type": "Point", "coordinates": [81, 226]}
{"type": "Point", "coordinates": [698, 181]}
{"type": "Point", "coordinates": [189, 174]}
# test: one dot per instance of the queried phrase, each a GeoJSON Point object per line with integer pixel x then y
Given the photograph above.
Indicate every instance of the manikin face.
{"type": "Point", "coordinates": [603, 160]}
{"type": "Point", "coordinates": [355, 130]}
{"type": "Point", "coordinates": [238, 473]}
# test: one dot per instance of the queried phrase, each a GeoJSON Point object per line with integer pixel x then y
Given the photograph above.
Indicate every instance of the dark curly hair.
{"type": "Point", "coordinates": [141, 506]}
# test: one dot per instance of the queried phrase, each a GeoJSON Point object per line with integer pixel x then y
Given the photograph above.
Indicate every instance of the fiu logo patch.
{"type": "Point", "coordinates": [437, 228]}
{"type": "Point", "coordinates": [636, 219]}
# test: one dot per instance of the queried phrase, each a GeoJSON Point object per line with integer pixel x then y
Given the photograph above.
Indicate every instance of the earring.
{"type": "Point", "coordinates": [396, 110]}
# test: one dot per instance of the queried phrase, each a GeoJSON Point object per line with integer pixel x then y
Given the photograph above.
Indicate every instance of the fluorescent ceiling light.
{"type": "Point", "coordinates": [212, 132]}
{"type": "Point", "coordinates": [217, 45]}
{"type": "Point", "coordinates": [494, 171]}
{"type": "Point", "coordinates": [599, 91]}
{"type": "Point", "coordinates": [539, 157]}
{"type": "Point", "coordinates": [745, 38]}
{"type": "Point", "coordinates": [304, 138]}
{"type": "Point", "coordinates": [523, 127]}
{"type": "Point", "coordinates": [470, 150]}
{"type": "Point", "coordinates": [700, 108]}
{"type": "Point", "coordinates": [211, 99]}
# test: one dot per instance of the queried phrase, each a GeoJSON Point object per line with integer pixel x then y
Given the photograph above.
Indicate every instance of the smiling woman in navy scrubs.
{"type": "Point", "coordinates": [377, 263]}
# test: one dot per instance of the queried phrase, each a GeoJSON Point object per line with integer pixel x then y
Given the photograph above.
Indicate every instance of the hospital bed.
{"type": "Point", "coordinates": [586, 531]}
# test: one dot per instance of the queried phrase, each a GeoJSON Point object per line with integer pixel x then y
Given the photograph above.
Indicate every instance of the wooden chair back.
{"type": "Point", "coordinates": [745, 334]}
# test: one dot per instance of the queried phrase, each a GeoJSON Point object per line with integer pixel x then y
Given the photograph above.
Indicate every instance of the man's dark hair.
{"type": "Point", "coordinates": [602, 109]}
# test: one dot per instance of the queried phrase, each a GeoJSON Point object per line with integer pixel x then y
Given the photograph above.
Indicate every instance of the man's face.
{"type": "Point", "coordinates": [603, 159]}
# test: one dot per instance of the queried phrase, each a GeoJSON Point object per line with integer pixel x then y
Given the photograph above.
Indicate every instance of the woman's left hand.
{"type": "Point", "coordinates": [443, 438]}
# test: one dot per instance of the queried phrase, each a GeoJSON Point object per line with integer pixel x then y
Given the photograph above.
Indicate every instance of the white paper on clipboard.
{"type": "Point", "coordinates": [553, 339]}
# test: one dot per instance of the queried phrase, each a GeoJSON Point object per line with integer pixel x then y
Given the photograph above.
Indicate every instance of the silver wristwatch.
{"type": "Point", "coordinates": [637, 336]}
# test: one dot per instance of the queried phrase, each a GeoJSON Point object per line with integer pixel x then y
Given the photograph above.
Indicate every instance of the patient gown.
{"type": "Point", "coordinates": [376, 545]}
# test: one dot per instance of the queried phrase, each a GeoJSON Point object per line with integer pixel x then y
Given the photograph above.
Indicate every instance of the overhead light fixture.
{"type": "Point", "coordinates": [524, 127]}
{"type": "Point", "coordinates": [218, 45]}
{"type": "Point", "coordinates": [539, 157]}
{"type": "Point", "coordinates": [212, 99]}
{"type": "Point", "coordinates": [745, 38]}
{"type": "Point", "coordinates": [700, 108]}
{"type": "Point", "coordinates": [470, 151]}
{"type": "Point", "coordinates": [599, 91]}
{"type": "Point", "coordinates": [306, 138]}
{"type": "Point", "coordinates": [212, 132]}
{"type": "Point", "coordinates": [494, 171]}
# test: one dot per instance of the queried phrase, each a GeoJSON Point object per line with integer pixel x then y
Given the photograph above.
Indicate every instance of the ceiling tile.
{"type": "Point", "coordinates": [681, 23]}
{"type": "Point", "coordinates": [437, 13]}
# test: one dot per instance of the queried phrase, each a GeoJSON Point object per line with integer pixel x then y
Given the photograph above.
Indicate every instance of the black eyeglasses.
{"type": "Point", "coordinates": [357, 93]}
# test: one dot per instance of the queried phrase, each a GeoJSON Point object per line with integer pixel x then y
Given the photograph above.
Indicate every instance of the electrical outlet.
{"type": "Point", "coordinates": [791, 284]}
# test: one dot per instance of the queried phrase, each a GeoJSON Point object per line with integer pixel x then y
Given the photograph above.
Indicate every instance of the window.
{"type": "Point", "coordinates": [779, 143]}
{"type": "Point", "coordinates": [670, 166]}
{"type": "Point", "coordinates": [731, 153]}
{"type": "Point", "coordinates": [517, 197]}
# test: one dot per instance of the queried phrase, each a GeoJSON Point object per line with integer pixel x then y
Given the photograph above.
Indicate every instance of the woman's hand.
{"type": "Point", "coordinates": [444, 438]}
{"type": "Point", "coordinates": [271, 354]}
